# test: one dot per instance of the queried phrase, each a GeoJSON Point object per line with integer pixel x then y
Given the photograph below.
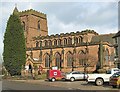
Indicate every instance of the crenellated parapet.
{"type": "Point", "coordinates": [31, 11]}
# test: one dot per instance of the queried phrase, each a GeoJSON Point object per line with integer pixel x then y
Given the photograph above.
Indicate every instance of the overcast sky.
{"type": "Point", "coordinates": [67, 16]}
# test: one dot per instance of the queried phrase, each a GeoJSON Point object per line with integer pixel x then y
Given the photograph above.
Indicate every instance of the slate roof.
{"type": "Point", "coordinates": [117, 34]}
{"type": "Point", "coordinates": [105, 38]}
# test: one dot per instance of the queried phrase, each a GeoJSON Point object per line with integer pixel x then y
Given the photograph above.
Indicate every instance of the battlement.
{"type": "Point", "coordinates": [31, 11]}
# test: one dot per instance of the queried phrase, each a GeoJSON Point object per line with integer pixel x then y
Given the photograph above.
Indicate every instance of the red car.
{"type": "Point", "coordinates": [54, 75]}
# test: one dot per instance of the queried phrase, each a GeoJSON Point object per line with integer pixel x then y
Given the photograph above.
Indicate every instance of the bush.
{"type": "Point", "coordinates": [102, 71]}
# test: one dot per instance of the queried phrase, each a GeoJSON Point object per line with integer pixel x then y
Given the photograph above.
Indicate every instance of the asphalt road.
{"type": "Point", "coordinates": [14, 85]}
{"type": "Point", "coordinates": [37, 85]}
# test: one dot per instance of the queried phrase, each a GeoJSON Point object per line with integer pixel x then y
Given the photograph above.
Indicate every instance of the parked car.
{"type": "Point", "coordinates": [100, 79]}
{"type": "Point", "coordinates": [75, 75]}
{"type": "Point", "coordinates": [115, 80]}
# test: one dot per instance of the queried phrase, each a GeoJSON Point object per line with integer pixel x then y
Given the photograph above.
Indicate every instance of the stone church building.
{"type": "Point", "coordinates": [68, 51]}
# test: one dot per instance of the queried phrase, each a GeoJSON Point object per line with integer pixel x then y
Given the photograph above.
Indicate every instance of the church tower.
{"type": "Point", "coordinates": [34, 24]}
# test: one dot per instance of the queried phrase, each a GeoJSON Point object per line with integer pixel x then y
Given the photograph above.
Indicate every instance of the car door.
{"type": "Point", "coordinates": [76, 75]}
{"type": "Point", "coordinates": [81, 75]}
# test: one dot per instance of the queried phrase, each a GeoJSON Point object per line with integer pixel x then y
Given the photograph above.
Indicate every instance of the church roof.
{"type": "Point", "coordinates": [105, 38]}
{"type": "Point", "coordinates": [117, 34]}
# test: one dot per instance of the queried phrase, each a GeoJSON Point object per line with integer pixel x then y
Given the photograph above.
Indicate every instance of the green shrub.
{"type": "Point", "coordinates": [102, 71]}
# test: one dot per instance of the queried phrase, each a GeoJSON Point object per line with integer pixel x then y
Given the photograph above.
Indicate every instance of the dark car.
{"type": "Point", "coordinates": [115, 80]}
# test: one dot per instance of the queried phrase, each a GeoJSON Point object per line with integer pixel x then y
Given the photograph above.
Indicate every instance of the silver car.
{"type": "Point", "coordinates": [75, 75]}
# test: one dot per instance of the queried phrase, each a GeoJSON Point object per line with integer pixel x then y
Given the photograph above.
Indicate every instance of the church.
{"type": "Point", "coordinates": [84, 50]}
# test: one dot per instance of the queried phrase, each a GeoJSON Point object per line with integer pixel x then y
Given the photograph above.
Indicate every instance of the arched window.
{"type": "Point", "coordinates": [69, 41]}
{"type": "Point", "coordinates": [106, 55]}
{"type": "Point", "coordinates": [47, 61]}
{"type": "Point", "coordinates": [23, 23]}
{"type": "Point", "coordinates": [41, 44]}
{"type": "Point", "coordinates": [37, 44]}
{"type": "Point", "coordinates": [50, 43]}
{"type": "Point", "coordinates": [58, 60]}
{"type": "Point", "coordinates": [80, 39]}
{"type": "Point", "coordinates": [69, 59]}
{"type": "Point", "coordinates": [55, 42]}
{"type": "Point", "coordinates": [65, 41]}
{"type": "Point", "coordinates": [76, 40]}
{"type": "Point", "coordinates": [39, 25]}
{"type": "Point", "coordinates": [81, 58]}
{"type": "Point", "coordinates": [59, 42]}
{"type": "Point", "coordinates": [46, 43]}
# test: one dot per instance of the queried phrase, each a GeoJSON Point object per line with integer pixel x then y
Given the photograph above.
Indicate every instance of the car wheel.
{"type": "Point", "coordinates": [99, 82]}
{"type": "Point", "coordinates": [114, 86]}
{"type": "Point", "coordinates": [72, 79]}
{"type": "Point", "coordinates": [53, 79]}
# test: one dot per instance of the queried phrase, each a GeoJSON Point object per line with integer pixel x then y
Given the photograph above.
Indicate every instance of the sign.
{"type": "Point", "coordinates": [40, 68]}
{"type": "Point", "coordinates": [55, 73]}
{"type": "Point", "coordinates": [26, 67]}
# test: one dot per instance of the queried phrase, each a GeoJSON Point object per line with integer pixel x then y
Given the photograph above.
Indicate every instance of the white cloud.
{"type": "Point", "coordinates": [60, 0]}
{"type": "Point", "coordinates": [67, 16]}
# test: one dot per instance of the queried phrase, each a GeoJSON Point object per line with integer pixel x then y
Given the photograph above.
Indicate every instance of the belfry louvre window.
{"type": "Point", "coordinates": [37, 44]}
{"type": "Point", "coordinates": [23, 23]}
{"type": "Point", "coordinates": [39, 25]}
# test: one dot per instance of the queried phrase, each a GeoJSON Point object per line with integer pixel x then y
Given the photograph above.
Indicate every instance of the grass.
{"type": "Point", "coordinates": [41, 77]}
{"type": "Point", "coordinates": [37, 77]}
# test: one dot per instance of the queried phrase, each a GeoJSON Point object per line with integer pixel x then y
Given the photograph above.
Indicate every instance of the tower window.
{"type": "Point", "coordinates": [37, 44]}
{"type": "Point", "coordinates": [39, 25]}
{"type": "Point", "coordinates": [23, 23]}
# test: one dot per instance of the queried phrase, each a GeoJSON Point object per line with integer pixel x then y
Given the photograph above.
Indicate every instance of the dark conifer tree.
{"type": "Point", "coordinates": [14, 54]}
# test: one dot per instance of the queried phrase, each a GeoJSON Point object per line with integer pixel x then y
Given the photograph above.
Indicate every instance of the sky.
{"type": "Point", "coordinates": [66, 16]}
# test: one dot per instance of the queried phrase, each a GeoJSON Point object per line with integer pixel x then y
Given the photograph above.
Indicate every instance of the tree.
{"type": "Point", "coordinates": [14, 54]}
{"type": "Point", "coordinates": [87, 60]}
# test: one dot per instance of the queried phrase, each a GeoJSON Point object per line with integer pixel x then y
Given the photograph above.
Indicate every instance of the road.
{"type": "Point", "coordinates": [58, 85]}
{"type": "Point", "coordinates": [15, 85]}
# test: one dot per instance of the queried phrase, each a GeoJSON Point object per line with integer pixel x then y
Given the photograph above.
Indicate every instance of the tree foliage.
{"type": "Point", "coordinates": [14, 54]}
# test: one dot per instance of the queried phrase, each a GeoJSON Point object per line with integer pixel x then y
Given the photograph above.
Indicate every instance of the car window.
{"type": "Point", "coordinates": [116, 70]}
{"type": "Point", "coordinates": [76, 73]}
{"type": "Point", "coordinates": [108, 72]}
{"type": "Point", "coordinates": [116, 74]}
